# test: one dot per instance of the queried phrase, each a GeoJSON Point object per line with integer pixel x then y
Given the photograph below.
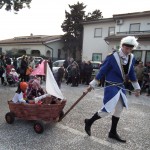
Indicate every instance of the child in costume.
{"type": "Point", "coordinates": [18, 97]}
{"type": "Point", "coordinates": [34, 89]}
{"type": "Point", "coordinates": [14, 75]}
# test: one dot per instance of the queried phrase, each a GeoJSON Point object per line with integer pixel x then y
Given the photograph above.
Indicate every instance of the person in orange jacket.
{"type": "Point", "coordinates": [28, 72]}
{"type": "Point", "coordinates": [18, 97]}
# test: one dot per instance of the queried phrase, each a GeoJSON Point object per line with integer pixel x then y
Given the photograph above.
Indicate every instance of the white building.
{"type": "Point", "coordinates": [35, 45]}
{"type": "Point", "coordinates": [103, 36]}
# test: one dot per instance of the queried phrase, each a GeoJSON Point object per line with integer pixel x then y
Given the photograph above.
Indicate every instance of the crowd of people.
{"type": "Point", "coordinates": [77, 73]}
{"type": "Point", "coordinates": [143, 77]}
{"type": "Point", "coordinates": [73, 72]}
{"type": "Point", "coordinates": [17, 71]}
{"type": "Point", "coordinates": [81, 73]}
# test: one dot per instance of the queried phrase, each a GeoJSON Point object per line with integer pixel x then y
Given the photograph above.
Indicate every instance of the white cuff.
{"type": "Point", "coordinates": [136, 85]}
{"type": "Point", "coordinates": [22, 101]}
{"type": "Point", "coordinates": [93, 83]}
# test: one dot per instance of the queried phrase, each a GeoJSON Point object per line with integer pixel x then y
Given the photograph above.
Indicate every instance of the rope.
{"type": "Point", "coordinates": [117, 85]}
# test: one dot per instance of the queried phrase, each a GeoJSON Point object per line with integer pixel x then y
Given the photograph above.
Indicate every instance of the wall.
{"type": "Point", "coordinates": [125, 27]}
{"type": "Point", "coordinates": [55, 46]}
{"type": "Point", "coordinates": [93, 44]}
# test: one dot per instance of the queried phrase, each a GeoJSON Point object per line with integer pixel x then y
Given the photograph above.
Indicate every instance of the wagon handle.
{"type": "Point", "coordinates": [78, 100]}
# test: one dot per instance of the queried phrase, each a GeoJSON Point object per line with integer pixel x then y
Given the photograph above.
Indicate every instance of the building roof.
{"type": "Point", "coordinates": [32, 39]}
{"type": "Point", "coordinates": [98, 21]}
{"type": "Point", "coordinates": [119, 16]}
{"type": "Point", "coordinates": [131, 15]}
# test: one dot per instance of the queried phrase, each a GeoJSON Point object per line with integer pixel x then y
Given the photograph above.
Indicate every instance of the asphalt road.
{"type": "Point", "coordinates": [69, 134]}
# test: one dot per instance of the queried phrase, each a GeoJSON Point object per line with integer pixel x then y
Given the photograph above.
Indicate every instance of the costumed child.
{"type": "Point", "coordinates": [14, 75]}
{"type": "Point", "coordinates": [19, 95]}
{"type": "Point", "coordinates": [34, 89]}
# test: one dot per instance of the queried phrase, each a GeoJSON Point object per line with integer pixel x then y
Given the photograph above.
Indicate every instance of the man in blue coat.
{"type": "Point", "coordinates": [116, 68]}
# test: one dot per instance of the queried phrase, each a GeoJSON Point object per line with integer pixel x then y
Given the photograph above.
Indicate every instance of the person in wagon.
{"type": "Point", "coordinates": [34, 88]}
{"type": "Point", "coordinates": [18, 97]}
{"type": "Point", "coordinates": [116, 67]}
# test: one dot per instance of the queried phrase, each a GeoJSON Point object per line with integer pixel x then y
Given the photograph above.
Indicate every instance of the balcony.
{"type": "Point", "coordinates": [134, 33]}
{"type": "Point", "coordinates": [141, 35]}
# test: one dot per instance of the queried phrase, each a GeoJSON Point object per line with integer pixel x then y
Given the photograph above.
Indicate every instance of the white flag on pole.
{"type": "Point", "coordinates": [51, 84]}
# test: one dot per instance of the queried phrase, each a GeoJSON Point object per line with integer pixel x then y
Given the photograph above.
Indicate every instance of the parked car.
{"type": "Point", "coordinates": [96, 66]}
{"type": "Point", "coordinates": [57, 64]}
{"type": "Point", "coordinates": [36, 60]}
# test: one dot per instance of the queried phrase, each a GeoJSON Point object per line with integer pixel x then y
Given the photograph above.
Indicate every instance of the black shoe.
{"type": "Point", "coordinates": [116, 137]}
{"type": "Point", "coordinates": [87, 127]}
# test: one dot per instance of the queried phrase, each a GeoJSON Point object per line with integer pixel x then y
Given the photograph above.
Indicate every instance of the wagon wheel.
{"type": "Point", "coordinates": [10, 117]}
{"type": "Point", "coordinates": [38, 127]}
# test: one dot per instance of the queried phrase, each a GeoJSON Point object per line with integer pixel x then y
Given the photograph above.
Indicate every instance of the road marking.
{"type": "Point", "coordinates": [95, 139]}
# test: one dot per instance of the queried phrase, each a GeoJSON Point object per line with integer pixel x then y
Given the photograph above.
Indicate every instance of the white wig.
{"type": "Point", "coordinates": [130, 40]}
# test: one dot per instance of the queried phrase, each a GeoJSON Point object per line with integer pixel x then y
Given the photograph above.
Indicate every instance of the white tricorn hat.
{"type": "Point", "coordinates": [130, 41]}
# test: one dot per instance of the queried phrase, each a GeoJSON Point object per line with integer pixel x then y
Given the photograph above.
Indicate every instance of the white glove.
{"type": "Point", "coordinates": [136, 85]}
{"type": "Point", "coordinates": [93, 83]}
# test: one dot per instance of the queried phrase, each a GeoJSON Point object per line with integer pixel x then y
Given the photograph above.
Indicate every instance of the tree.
{"type": "Point", "coordinates": [16, 5]}
{"type": "Point", "coordinates": [73, 28]}
{"type": "Point", "coordinates": [95, 15]}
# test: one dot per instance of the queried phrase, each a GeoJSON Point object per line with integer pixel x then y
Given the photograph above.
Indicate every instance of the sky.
{"type": "Point", "coordinates": [46, 18]}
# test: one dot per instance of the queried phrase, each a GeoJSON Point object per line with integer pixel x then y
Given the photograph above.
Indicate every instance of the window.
{"type": "Point", "coordinates": [134, 27]}
{"type": "Point", "coordinates": [98, 32]}
{"type": "Point", "coordinates": [111, 31]}
{"type": "Point", "coordinates": [22, 52]}
{"type": "Point", "coordinates": [35, 53]}
{"type": "Point", "coordinates": [147, 59]}
{"type": "Point", "coordinates": [96, 57]}
{"type": "Point", "coordinates": [48, 53]}
{"type": "Point", "coordinates": [137, 55]}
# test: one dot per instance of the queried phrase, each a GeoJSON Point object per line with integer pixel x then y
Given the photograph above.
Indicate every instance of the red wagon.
{"type": "Point", "coordinates": [51, 108]}
{"type": "Point", "coordinates": [49, 111]}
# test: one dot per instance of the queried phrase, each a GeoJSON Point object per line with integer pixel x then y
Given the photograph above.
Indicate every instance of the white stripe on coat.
{"type": "Point", "coordinates": [110, 105]}
{"type": "Point", "coordinates": [116, 55]}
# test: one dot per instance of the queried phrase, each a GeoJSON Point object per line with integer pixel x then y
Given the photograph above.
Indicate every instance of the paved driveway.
{"type": "Point", "coordinates": [69, 134]}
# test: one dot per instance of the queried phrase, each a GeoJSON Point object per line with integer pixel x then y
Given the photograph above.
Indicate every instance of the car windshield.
{"type": "Point", "coordinates": [96, 65]}
{"type": "Point", "coordinates": [58, 63]}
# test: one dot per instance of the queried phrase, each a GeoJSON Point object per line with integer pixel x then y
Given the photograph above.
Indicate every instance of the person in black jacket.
{"type": "Point", "coordinates": [2, 68]}
{"type": "Point", "coordinates": [88, 72]}
{"type": "Point", "coordinates": [59, 76]}
{"type": "Point", "coordinates": [23, 68]}
{"type": "Point", "coordinates": [74, 75]}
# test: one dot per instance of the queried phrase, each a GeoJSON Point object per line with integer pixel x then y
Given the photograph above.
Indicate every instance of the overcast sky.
{"type": "Point", "coordinates": [46, 18]}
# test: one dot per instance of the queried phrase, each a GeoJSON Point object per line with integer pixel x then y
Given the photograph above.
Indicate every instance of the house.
{"type": "Point", "coordinates": [103, 36]}
{"type": "Point", "coordinates": [35, 45]}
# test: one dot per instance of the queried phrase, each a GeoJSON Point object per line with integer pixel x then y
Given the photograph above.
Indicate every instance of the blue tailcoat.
{"type": "Point", "coordinates": [113, 72]}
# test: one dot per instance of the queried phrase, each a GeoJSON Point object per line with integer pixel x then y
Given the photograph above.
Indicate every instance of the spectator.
{"type": "Point", "coordinates": [146, 80]}
{"type": "Point", "coordinates": [59, 76]}
{"type": "Point", "coordinates": [2, 68]}
{"type": "Point", "coordinates": [88, 72]}
{"type": "Point", "coordinates": [139, 69]}
{"type": "Point", "coordinates": [50, 64]}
